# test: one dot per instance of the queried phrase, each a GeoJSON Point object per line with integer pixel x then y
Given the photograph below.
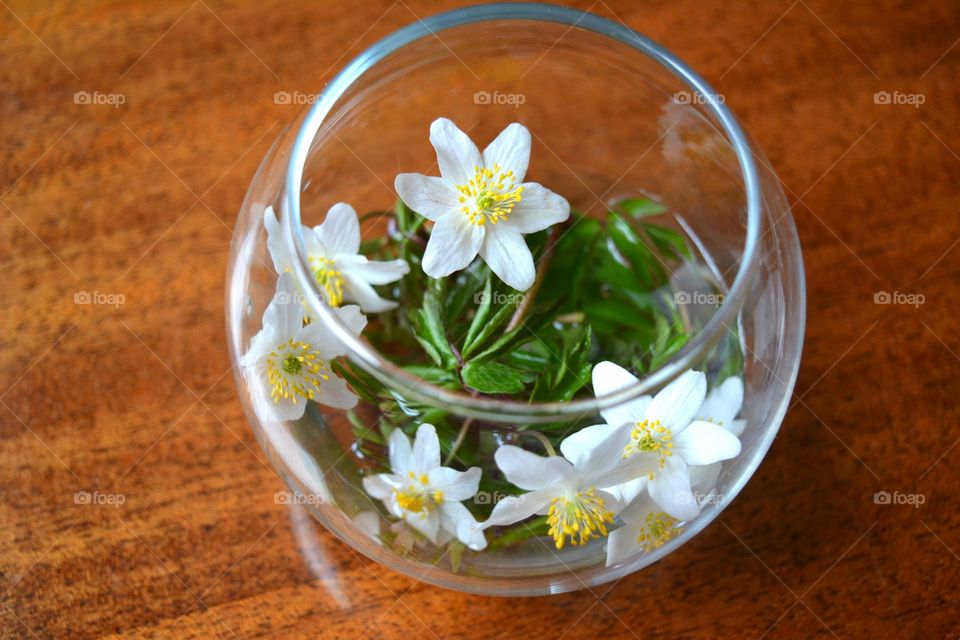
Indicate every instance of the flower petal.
{"type": "Point", "coordinates": [576, 447]}
{"type": "Point", "coordinates": [429, 196]}
{"type": "Point", "coordinates": [373, 271]}
{"type": "Point", "coordinates": [670, 489]}
{"type": "Point", "coordinates": [636, 467]}
{"type": "Point", "coordinates": [401, 455]}
{"type": "Point", "coordinates": [506, 252]}
{"type": "Point", "coordinates": [516, 508]}
{"type": "Point", "coordinates": [427, 523]}
{"type": "Point", "coordinates": [426, 449]}
{"type": "Point", "coordinates": [453, 245]}
{"type": "Point", "coordinates": [276, 245]}
{"type": "Point", "coordinates": [360, 291]}
{"type": "Point", "coordinates": [284, 313]}
{"type": "Point", "coordinates": [291, 408]}
{"type": "Point", "coordinates": [722, 404]}
{"type": "Point", "coordinates": [703, 481]}
{"type": "Point", "coordinates": [624, 542]}
{"type": "Point", "coordinates": [677, 403]}
{"type": "Point", "coordinates": [369, 523]}
{"type": "Point", "coordinates": [530, 471]}
{"type": "Point", "coordinates": [382, 485]}
{"type": "Point", "coordinates": [321, 338]}
{"type": "Point", "coordinates": [457, 518]}
{"type": "Point", "coordinates": [455, 485]}
{"type": "Point", "coordinates": [510, 150]}
{"type": "Point", "coordinates": [335, 393]}
{"type": "Point", "coordinates": [538, 209]}
{"type": "Point", "coordinates": [628, 491]}
{"type": "Point", "coordinates": [457, 156]}
{"type": "Point", "coordinates": [340, 231]}
{"type": "Point", "coordinates": [608, 452]}
{"type": "Point", "coordinates": [736, 427]}
{"type": "Point", "coordinates": [705, 443]}
{"type": "Point", "coordinates": [609, 378]}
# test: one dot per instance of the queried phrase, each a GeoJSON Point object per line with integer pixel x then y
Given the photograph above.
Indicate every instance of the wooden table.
{"type": "Point", "coordinates": [133, 204]}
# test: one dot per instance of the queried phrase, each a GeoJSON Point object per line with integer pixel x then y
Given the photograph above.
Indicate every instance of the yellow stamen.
{"type": "Point", "coordinates": [295, 370]}
{"type": "Point", "coordinates": [490, 195]}
{"type": "Point", "coordinates": [658, 528]}
{"type": "Point", "coordinates": [329, 279]}
{"type": "Point", "coordinates": [650, 437]}
{"type": "Point", "coordinates": [417, 496]}
{"type": "Point", "coordinates": [580, 517]}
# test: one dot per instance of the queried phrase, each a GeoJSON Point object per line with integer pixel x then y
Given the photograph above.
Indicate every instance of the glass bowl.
{"type": "Point", "coordinates": [618, 124]}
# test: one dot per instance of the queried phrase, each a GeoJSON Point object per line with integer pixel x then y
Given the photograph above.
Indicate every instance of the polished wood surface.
{"type": "Point", "coordinates": [130, 396]}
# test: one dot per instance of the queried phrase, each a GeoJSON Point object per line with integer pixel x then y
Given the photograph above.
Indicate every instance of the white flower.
{"type": "Point", "coordinates": [662, 430]}
{"type": "Point", "coordinates": [723, 404]}
{"type": "Point", "coordinates": [475, 190]}
{"type": "Point", "coordinates": [427, 496]}
{"type": "Point", "coordinates": [575, 506]}
{"type": "Point", "coordinates": [290, 362]}
{"type": "Point", "coordinates": [646, 527]}
{"type": "Point", "coordinates": [333, 255]}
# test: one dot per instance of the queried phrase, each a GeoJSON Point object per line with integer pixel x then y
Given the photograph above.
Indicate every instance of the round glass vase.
{"type": "Point", "coordinates": [613, 116]}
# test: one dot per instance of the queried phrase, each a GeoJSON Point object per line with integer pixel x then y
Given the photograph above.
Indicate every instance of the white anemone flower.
{"type": "Point", "coordinates": [576, 506]}
{"type": "Point", "coordinates": [426, 495]}
{"type": "Point", "coordinates": [722, 406]}
{"type": "Point", "coordinates": [334, 259]}
{"type": "Point", "coordinates": [480, 204]}
{"type": "Point", "coordinates": [662, 430]}
{"type": "Point", "coordinates": [290, 363]}
{"type": "Point", "coordinates": [646, 527]}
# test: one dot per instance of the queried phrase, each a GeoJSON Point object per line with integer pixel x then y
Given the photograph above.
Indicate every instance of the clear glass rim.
{"type": "Point", "coordinates": [413, 386]}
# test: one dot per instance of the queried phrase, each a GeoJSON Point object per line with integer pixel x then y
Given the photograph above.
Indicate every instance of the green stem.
{"type": "Point", "coordinates": [527, 303]}
{"type": "Point", "coordinates": [456, 443]}
{"type": "Point", "coordinates": [542, 439]}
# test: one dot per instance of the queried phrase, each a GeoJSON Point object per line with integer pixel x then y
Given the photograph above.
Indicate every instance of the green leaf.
{"type": "Point", "coordinates": [500, 317]}
{"type": "Point", "coordinates": [667, 240]}
{"type": "Point", "coordinates": [463, 288]}
{"type": "Point", "coordinates": [493, 377]}
{"type": "Point", "coordinates": [644, 262]}
{"type": "Point", "coordinates": [431, 374]}
{"type": "Point", "coordinates": [480, 317]}
{"type": "Point", "coordinates": [431, 333]}
{"type": "Point", "coordinates": [571, 261]}
{"type": "Point", "coordinates": [640, 207]}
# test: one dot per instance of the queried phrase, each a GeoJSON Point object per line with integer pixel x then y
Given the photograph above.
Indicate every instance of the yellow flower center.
{"type": "Point", "coordinates": [417, 497]}
{"type": "Point", "coordinates": [580, 517]}
{"type": "Point", "coordinates": [490, 195]}
{"type": "Point", "coordinates": [329, 279]}
{"type": "Point", "coordinates": [294, 369]}
{"type": "Point", "coordinates": [650, 437]}
{"type": "Point", "coordinates": [658, 528]}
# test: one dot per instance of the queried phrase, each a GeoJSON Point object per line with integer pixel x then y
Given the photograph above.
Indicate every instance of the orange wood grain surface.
{"type": "Point", "coordinates": [132, 397]}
